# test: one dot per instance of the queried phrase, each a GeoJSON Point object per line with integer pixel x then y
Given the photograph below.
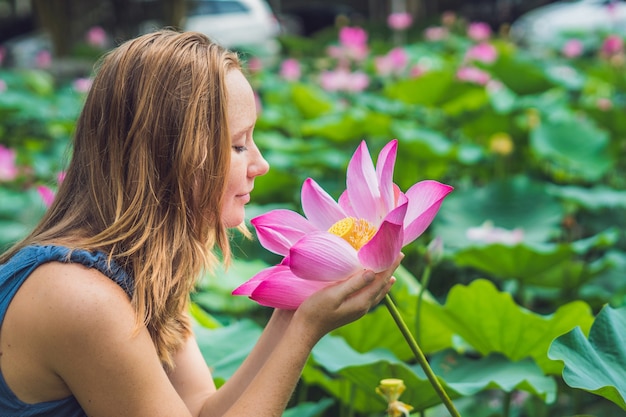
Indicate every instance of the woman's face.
{"type": "Point", "coordinates": [246, 162]}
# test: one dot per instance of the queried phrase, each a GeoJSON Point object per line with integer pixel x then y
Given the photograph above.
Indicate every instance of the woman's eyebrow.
{"type": "Point", "coordinates": [243, 130]}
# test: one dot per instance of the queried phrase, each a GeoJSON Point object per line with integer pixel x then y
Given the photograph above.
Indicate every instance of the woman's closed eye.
{"type": "Point", "coordinates": [240, 149]}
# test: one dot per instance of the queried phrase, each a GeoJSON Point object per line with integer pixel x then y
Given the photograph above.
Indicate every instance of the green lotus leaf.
{"type": "Point", "coordinates": [594, 198]}
{"type": "Point", "coordinates": [354, 376]}
{"type": "Point", "coordinates": [429, 89]}
{"type": "Point", "coordinates": [308, 409]}
{"type": "Point", "coordinates": [572, 147]}
{"type": "Point", "coordinates": [311, 101]}
{"type": "Point", "coordinates": [225, 348]}
{"type": "Point", "coordinates": [491, 322]}
{"type": "Point", "coordinates": [378, 330]}
{"type": "Point", "coordinates": [512, 203]}
{"type": "Point", "coordinates": [596, 364]}
{"type": "Point", "coordinates": [546, 265]}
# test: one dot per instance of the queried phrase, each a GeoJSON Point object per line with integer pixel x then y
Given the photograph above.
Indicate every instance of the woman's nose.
{"type": "Point", "coordinates": [259, 166]}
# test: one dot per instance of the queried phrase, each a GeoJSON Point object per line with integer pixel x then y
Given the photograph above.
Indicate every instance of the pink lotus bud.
{"type": "Point", "coordinates": [255, 65]}
{"type": "Point", "coordinates": [399, 21]}
{"type": "Point", "coordinates": [482, 52]}
{"type": "Point", "coordinates": [290, 69]}
{"type": "Point", "coordinates": [473, 75]}
{"type": "Point", "coordinates": [8, 169]}
{"type": "Point", "coordinates": [573, 48]}
{"type": "Point", "coordinates": [82, 85]}
{"type": "Point", "coordinates": [43, 59]}
{"type": "Point", "coordinates": [612, 45]}
{"type": "Point", "coordinates": [435, 33]}
{"type": "Point", "coordinates": [46, 194]}
{"type": "Point", "coordinates": [479, 31]}
{"type": "Point", "coordinates": [96, 36]}
{"type": "Point", "coordinates": [352, 36]}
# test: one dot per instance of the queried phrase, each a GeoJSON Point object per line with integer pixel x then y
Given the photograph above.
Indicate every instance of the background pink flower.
{"type": "Point", "coordinates": [96, 36]}
{"type": "Point", "coordinates": [482, 52]}
{"type": "Point", "coordinates": [82, 85]}
{"type": "Point", "coordinates": [399, 21]}
{"type": "Point", "coordinates": [573, 48]}
{"type": "Point", "coordinates": [436, 33]}
{"type": "Point", "coordinates": [344, 80]}
{"type": "Point", "coordinates": [394, 62]}
{"type": "Point", "coordinates": [479, 31]}
{"type": "Point", "coordinates": [612, 45]}
{"type": "Point", "coordinates": [43, 59]}
{"type": "Point", "coordinates": [290, 69]}
{"type": "Point", "coordinates": [46, 194]}
{"type": "Point", "coordinates": [8, 169]}
{"type": "Point", "coordinates": [473, 75]}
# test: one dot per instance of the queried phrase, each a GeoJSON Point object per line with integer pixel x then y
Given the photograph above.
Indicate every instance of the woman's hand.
{"type": "Point", "coordinates": [345, 302]}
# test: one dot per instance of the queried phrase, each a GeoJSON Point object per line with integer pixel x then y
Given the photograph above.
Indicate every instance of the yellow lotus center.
{"type": "Point", "coordinates": [357, 232]}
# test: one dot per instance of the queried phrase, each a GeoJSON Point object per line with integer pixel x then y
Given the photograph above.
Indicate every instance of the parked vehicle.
{"type": "Point", "coordinates": [237, 24]}
{"type": "Point", "coordinates": [550, 25]}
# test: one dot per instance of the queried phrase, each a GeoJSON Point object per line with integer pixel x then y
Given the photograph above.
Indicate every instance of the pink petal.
{"type": "Point", "coordinates": [382, 250]}
{"type": "Point", "coordinates": [344, 203]}
{"type": "Point", "coordinates": [322, 256]}
{"type": "Point", "coordinates": [425, 199]}
{"type": "Point", "coordinates": [319, 207]}
{"type": "Point", "coordinates": [248, 287]}
{"type": "Point", "coordinates": [384, 170]}
{"type": "Point", "coordinates": [362, 185]}
{"type": "Point", "coordinates": [279, 229]}
{"type": "Point", "coordinates": [285, 290]}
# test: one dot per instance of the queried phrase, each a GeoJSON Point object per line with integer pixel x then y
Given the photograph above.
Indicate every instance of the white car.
{"type": "Point", "coordinates": [549, 25]}
{"type": "Point", "coordinates": [248, 25]}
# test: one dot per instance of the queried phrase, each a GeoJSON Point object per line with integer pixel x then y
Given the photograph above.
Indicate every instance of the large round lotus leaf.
{"type": "Point", "coordinates": [543, 264]}
{"type": "Point", "coordinates": [573, 148]}
{"type": "Point", "coordinates": [597, 364]}
{"type": "Point", "coordinates": [491, 322]}
{"type": "Point", "coordinates": [509, 204]}
{"type": "Point", "coordinates": [352, 376]}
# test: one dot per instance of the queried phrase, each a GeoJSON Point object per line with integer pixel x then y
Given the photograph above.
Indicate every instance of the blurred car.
{"type": "Point", "coordinates": [248, 25]}
{"type": "Point", "coordinates": [551, 24]}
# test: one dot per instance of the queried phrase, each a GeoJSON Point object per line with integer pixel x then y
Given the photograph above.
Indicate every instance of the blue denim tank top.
{"type": "Point", "coordinates": [12, 275]}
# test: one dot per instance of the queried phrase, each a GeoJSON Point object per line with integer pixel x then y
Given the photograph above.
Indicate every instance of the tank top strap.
{"type": "Point", "coordinates": [33, 256]}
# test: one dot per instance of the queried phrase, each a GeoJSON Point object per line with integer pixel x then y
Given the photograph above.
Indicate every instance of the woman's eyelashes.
{"type": "Point", "coordinates": [240, 149]}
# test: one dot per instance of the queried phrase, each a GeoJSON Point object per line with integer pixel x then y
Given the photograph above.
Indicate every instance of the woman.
{"type": "Point", "coordinates": [93, 303]}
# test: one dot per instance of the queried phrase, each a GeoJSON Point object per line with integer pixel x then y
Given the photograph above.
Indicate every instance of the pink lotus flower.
{"type": "Point", "coordinates": [573, 48]}
{"type": "Point", "coordinates": [612, 45]}
{"type": "Point", "coordinates": [43, 59]}
{"type": "Point", "coordinates": [479, 31]}
{"type": "Point", "coordinates": [290, 69]}
{"type": "Point", "coordinates": [46, 194]}
{"type": "Point", "coordinates": [96, 36]}
{"type": "Point", "coordinates": [436, 33]}
{"type": "Point", "coordinates": [352, 36]}
{"type": "Point", "coordinates": [399, 21]}
{"type": "Point", "coordinates": [473, 75]}
{"type": "Point", "coordinates": [82, 85]}
{"type": "Point", "coordinates": [8, 169]}
{"type": "Point", "coordinates": [394, 62]}
{"type": "Point", "coordinates": [482, 52]}
{"type": "Point", "coordinates": [344, 80]}
{"type": "Point", "coordinates": [366, 228]}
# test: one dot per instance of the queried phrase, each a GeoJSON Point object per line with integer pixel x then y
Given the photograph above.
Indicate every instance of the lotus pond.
{"type": "Point", "coordinates": [516, 293]}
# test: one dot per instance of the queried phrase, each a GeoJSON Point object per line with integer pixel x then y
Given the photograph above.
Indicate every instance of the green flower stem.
{"type": "Point", "coordinates": [420, 298]}
{"type": "Point", "coordinates": [419, 355]}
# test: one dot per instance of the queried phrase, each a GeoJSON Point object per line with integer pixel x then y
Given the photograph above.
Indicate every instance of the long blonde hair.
{"type": "Point", "coordinates": [145, 183]}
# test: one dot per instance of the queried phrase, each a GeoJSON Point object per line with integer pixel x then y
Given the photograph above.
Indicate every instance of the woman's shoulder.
{"type": "Point", "coordinates": [71, 297]}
